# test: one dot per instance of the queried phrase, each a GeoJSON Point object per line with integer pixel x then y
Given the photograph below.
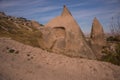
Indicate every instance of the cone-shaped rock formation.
{"type": "Point", "coordinates": [97, 33]}
{"type": "Point", "coordinates": [63, 35]}
{"type": "Point", "coordinates": [66, 12]}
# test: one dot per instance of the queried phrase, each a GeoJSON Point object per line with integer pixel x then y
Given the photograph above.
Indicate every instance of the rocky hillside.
{"type": "Point", "coordinates": [20, 29]}
{"type": "Point", "coordinates": [21, 59]}
{"type": "Point", "coordinates": [23, 62]}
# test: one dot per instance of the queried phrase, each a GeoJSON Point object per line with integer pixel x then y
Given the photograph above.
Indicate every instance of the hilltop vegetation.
{"type": "Point", "coordinates": [19, 29]}
{"type": "Point", "coordinates": [112, 51]}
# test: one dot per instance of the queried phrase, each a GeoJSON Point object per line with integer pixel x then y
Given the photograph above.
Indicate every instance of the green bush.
{"type": "Point", "coordinates": [113, 38]}
{"type": "Point", "coordinates": [11, 51]}
{"type": "Point", "coordinates": [112, 56]}
{"type": "Point", "coordinates": [19, 32]}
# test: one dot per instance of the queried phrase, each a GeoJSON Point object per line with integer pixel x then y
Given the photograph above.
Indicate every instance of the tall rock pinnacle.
{"type": "Point", "coordinates": [65, 36]}
{"type": "Point", "coordinates": [97, 33]}
{"type": "Point", "coordinates": [65, 11]}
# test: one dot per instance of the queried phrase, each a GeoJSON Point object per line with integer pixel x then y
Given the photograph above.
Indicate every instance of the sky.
{"type": "Point", "coordinates": [83, 11]}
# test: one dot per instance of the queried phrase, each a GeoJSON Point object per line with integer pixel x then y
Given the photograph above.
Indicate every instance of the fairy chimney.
{"type": "Point", "coordinates": [97, 33]}
{"type": "Point", "coordinates": [63, 35]}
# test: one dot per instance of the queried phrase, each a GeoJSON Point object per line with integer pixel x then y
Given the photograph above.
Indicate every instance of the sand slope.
{"type": "Point", "coordinates": [22, 62]}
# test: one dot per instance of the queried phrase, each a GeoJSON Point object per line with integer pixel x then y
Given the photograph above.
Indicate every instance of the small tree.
{"type": "Point", "coordinates": [112, 56]}
{"type": "Point", "coordinates": [115, 26]}
{"type": "Point", "coordinates": [112, 53]}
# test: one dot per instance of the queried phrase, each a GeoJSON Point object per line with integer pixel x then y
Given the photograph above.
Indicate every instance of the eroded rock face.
{"type": "Point", "coordinates": [63, 35]}
{"type": "Point", "coordinates": [97, 38]}
{"type": "Point", "coordinates": [53, 39]}
{"type": "Point", "coordinates": [97, 33]}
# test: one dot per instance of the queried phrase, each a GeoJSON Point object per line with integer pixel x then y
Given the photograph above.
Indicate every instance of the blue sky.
{"type": "Point", "coordinates": [83, 11]}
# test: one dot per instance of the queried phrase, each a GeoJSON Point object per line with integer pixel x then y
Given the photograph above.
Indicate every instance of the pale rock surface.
{"type": "Point", "coordinates": [63, 35]}
{"type": "Point", "coordinates": [97, 33]}
{"type": "Point", "coordinates": [29, 63]}
{"type": "Point", "coordinates": [35, 24]}
{"type": "Point", "coordinates": [97, 37]}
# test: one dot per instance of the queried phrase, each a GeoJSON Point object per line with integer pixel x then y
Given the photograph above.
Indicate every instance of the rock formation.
{"type": "Point", "coordinates": [35, 24]}
{"type": "Point", "coordinates": [97, 33]}
{"type": "Point", "coordinates": [97, 38]}
{"type": "Point", "coordinates": [63, 35]}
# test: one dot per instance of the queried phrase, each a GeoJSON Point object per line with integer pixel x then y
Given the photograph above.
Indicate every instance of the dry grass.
{"type": "Point", "coordinates": [9, 29]}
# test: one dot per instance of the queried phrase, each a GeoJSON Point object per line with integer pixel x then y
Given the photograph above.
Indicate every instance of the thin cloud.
{"type": "Point", "coordinates": [33, 11]}
{"type": "Point", "coordinates": [96, 11]}
{"type": "Point", "coordinates": [79, 4]}
{"type": "Point", "coordinates": [20, 3]}
{"type": "Point", "coordinates": [43, 10]}
{"type": "Point", "coordinates": [47, 18]}
{"type": "Point", "coordinates": [5, 4]}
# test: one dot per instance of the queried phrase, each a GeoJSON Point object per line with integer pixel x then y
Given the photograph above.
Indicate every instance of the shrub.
{"type": "Point", "coordinates": [11, 51]}
{"type": "Point", "coordinates": [113, 38]}
{"type": "Point", "coordinates": [41, 25]}
{"type": "Point", "coordinates": [112, 56]}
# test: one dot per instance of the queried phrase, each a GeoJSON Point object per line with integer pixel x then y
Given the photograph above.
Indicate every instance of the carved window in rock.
{"type": "Point", "coordinates": [59, 32]}
{"type": "Point", "coordinates": [58, 39]}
